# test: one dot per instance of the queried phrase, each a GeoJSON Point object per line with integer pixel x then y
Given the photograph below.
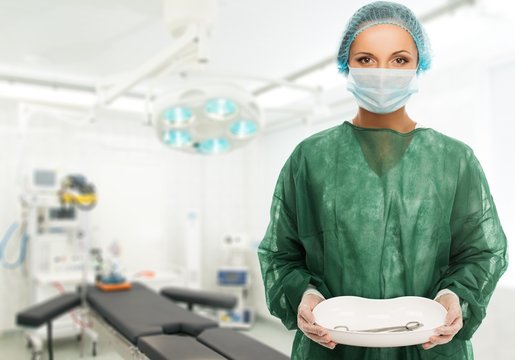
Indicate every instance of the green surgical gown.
{"type": "Point", "coordinates": [376, 213]}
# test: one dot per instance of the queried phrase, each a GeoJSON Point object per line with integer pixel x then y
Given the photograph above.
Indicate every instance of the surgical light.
{"type": "Point", "coordinates": [177, 138]}
{"type": "Point", "coordinates": [214, 146]}
{"type": "Point", "coordinates": [220, 109]}
{"type": "Point", "coordinates": [211, 118]}
{"type": "Point", "coordinates": [178, 116]}
{"type": "Point", "coordinates": [243, 128]}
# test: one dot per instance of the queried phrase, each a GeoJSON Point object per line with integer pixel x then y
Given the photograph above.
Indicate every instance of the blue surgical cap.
{"type": "Point", "coordinates": [385, 12]}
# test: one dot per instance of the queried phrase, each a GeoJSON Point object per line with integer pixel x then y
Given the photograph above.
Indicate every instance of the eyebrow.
{"type": "Point", "coordinates": [400, 51]}
{"type": "Point", "coordinates": [395, 53]}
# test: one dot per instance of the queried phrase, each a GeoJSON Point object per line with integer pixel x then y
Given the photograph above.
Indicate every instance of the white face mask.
{"type": "Point", "coordinates": [381, 90]}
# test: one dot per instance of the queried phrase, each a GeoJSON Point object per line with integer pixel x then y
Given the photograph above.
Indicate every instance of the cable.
{"type": "Point", "coordinates": [8, 234]}
{"type": "Point", "coordinates": [73, 314]}
{"type": "Point", "coordinates": [23, 247]}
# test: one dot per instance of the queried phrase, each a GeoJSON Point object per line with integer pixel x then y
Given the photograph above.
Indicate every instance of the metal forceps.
{"type": "Point", "coordinates": [410, 326]}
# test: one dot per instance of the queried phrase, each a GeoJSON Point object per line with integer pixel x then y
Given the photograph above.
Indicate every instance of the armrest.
{"type": "Point", "coordinates": [199, 297]}
{"type": "Point", "coordinates": [46, 311]}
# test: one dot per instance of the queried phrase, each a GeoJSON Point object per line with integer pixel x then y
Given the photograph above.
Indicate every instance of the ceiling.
{"type": "Point", "coordinates": [82, 42]}
{"type": "Point", "coordinates": [96, 38]}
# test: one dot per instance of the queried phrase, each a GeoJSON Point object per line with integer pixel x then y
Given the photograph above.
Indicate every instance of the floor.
{"type": "Point", "coordinates": [13, 344]}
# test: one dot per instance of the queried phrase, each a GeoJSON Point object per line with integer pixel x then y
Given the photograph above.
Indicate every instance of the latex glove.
{"type": "Point", "coordinates": [306, 321]}
{"type": "Point", "coordinates": [453, 322]}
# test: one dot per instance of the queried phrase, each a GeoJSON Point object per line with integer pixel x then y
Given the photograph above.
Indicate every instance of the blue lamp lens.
{"type": "Point", "coordinates": [220, 108]}
{"type": "Point", "coordinates": [178, 115]}
{"type": "Point", "coordinates": [177, 138]}
{"type": "Point", "coordinates": [243, 128]}
{"type": "Point", "coordinates": [214, 146]}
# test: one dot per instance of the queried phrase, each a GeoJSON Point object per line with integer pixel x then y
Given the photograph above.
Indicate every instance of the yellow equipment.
{"type": "Point", "coordinates": [75, 190]}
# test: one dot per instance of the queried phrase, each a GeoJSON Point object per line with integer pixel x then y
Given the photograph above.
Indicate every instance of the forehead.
{"type": "Point", "coordinates": [383, 38]}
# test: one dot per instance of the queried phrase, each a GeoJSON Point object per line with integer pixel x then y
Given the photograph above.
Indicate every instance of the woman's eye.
{"type": "Point", "coordinates": [401, 61]}
{"type": "Point", "coordinates": [364, 60]}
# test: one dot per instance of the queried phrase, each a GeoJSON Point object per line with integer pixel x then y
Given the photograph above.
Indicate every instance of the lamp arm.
{"type": "Point", "coordinates": [109, 93]}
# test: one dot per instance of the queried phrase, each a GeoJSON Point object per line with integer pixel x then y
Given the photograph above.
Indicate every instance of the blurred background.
{"type": "Point", "coordinates": [182, 130]}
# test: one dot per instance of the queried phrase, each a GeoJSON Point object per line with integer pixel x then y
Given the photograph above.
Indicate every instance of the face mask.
{"type": "Point", "coordinates": [380, 90]}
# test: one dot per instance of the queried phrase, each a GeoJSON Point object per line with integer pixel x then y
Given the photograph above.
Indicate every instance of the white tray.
{"type": "Point", "coordinates": [361, 313]}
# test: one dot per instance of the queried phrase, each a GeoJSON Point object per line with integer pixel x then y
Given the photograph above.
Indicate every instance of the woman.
{"type": "Point", "coordinates": [382, 207]}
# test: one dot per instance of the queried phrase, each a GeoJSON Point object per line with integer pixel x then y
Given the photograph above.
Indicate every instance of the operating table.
{"type": "Point", "coordinates": [143, 324]}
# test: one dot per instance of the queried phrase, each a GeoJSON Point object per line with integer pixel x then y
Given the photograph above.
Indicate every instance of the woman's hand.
{"type": "Point", "coordinates": [306, 321]}
{"type": "Point", "coordinates": [453, 322]}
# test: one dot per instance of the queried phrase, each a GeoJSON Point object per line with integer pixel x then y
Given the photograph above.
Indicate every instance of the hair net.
{"type": "Point", "coordinates": [384, 12]}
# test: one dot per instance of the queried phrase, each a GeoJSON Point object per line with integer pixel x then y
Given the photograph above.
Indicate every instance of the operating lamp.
{"type": "Point", "coordinates": [207, 118]}
{"type": "Point", "coordinates": [211, 117]}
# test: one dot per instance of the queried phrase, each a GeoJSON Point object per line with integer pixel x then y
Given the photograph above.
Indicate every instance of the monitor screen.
{"type": "Point", "coordinates": [45, 178]}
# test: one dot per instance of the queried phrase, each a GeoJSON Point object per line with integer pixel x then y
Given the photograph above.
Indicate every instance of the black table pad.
{"type": "Point", "coordinates": [141, 311]}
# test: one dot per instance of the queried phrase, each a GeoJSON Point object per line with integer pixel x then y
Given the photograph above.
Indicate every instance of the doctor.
{"type": "Point", "coordinates": [381, 206]}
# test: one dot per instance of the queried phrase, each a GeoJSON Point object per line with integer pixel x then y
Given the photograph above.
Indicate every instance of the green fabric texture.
{"type": "Point", "coordinates": [379, 214]}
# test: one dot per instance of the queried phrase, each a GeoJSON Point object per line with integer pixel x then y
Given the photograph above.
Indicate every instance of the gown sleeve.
{"type": "Point", "coordinates": [478, 251]}
{"type": "Point", "coordinates": [282, 256]}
